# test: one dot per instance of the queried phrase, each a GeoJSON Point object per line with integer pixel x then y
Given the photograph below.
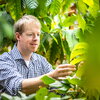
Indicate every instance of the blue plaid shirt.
{"type": "Point", "coordinates": [13, 70]}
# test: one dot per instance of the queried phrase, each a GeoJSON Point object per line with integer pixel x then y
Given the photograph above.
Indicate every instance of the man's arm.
{"type": "Point", "coordinates": [31, 85]}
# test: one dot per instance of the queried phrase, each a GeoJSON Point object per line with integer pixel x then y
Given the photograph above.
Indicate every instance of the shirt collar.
{"type": "Point", "coordinates": [34, 56]}
{"type": "Point", "coordinates": [17, 55]}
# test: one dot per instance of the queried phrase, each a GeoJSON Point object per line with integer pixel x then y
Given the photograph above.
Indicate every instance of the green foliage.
{"type": "Point", "coordinates": [41, 94]}
{"type": "Point", "coordinates": [79, 53]}
{"type": "Point", "coordinates": [55, 52]}
{"type": "Point", "coordinates": [66, 5]}
{"type": "Point", "coordinates": [71, 38]}
{"type": "Point", "coordinates": [59, 42]}
{"type": "Point", "coordinates": [69, 21]}
{"type": "Point", "coordinates": [41, 10]}
{"type": "Point", "coordinates": [55, 7]}
{"type": "Point", "coordinates": [94, 9]}
{"type": "Point", "coordinates": [53, 15]}
{"type": "Point", "coordinates": [82, 5]}
{"type": "Point", "coordinates": [81, 22]}
{"type": "Point", "coordinates": [30, 4]}
{"type": "Point", "coordinates": [22, 96]}
{"type": "Point", "coordinates": [91, 72]}
{"type": "Point", "coordinates": [14, 8]}
{"type": "Point", "coordinates": [6, 32]}
{"type": "Point", "coordinates": [89, 2]}
{"type": "Point", "coordinates": [46, 81]}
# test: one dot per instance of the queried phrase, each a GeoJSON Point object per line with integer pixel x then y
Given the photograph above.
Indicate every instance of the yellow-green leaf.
{"type": "Point", "coordinates": [89, 2]}
{"type": "Point", "coordinates": [81, 22]}
{"type": "Point", "coordinates": [78, 59]}
{"type": "Point", "coordinates": [81, 45]}
{"type": "Point", "coordinates": [77, 53]}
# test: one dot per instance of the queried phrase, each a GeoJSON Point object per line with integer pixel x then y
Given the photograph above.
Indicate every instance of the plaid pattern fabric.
{"type": "Point", "coordinates": [13, 70]}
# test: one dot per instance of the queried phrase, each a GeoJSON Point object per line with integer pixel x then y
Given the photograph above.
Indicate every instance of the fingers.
{"type": "Point", "coordinates": [66, 65]}
{"type": "Point", "coordinates": [60, 70]}
{"type": "Point", "coordinates": [63, 70]}
{"type": "Point", "coordinates": [64, 74]}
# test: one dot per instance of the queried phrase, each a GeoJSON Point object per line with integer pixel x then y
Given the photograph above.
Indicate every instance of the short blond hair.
{"type": "Point", "coordinates": [19, 26]}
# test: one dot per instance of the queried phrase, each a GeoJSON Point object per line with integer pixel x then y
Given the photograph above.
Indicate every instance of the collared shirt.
{"type": "Point", "coordinates": [13, 70]}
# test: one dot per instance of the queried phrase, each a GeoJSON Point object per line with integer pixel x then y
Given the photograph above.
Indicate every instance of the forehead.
{"type": "Point", "coordinates": [32, 27]}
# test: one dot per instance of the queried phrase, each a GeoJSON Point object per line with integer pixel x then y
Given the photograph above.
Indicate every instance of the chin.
{"type": "Point", "coordinates": [34, 50]}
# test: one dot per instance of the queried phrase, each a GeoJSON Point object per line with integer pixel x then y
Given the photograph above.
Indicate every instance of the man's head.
{"type": "Point", "coordinates": [27, 32]}
{"type": "Point", "coordinates": [21, 24]}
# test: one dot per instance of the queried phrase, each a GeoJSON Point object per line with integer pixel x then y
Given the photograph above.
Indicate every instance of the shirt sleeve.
{"type": "Point", "coordinates": [47, 67]}
{"type": "Point", "coordinates": [10, 78]}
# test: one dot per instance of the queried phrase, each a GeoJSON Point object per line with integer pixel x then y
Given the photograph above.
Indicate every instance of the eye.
{"type": "Point", "coordinates": [38, 34]}
{"type": "Point", "coordinates": [30, 34]}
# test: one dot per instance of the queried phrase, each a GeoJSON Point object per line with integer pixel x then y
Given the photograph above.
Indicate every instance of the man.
{"type": "Point", "coordinates": [21, 69]}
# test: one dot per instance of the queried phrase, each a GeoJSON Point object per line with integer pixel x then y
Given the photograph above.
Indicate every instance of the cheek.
{"type": "Point", "coordinates": [28, 40]}
{"type": "Point", "coordinates": [39, 40]}
{"type": "Point", "coordinates": [25, 43]}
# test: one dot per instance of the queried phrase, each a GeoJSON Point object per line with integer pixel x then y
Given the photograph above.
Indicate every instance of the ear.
{"type": "Point", "coordinates": [17, 35]}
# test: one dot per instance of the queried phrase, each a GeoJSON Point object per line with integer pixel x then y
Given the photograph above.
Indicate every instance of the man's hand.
{"type": "Point", "coordinates": [62, 70]}
{"type": "Point", "coordinates": [31, 85]}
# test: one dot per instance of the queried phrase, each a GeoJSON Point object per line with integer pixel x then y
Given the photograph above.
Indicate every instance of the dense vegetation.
{"type": "Point", "coordinates": [70, 34]}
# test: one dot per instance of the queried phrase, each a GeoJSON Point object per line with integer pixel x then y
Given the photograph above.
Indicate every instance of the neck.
{"type": "Point", "coordinates": [25, 53]}
{"type": "Point", "coordinates": [26, 56]}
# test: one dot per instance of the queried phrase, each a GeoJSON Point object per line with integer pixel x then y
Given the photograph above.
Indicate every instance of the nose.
{"type": "Point", "coordinates": [35, 38]}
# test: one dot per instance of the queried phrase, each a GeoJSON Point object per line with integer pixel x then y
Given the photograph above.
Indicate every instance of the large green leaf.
{"type": "Point", "coordinates": [53, 96]}
{"type": "Point", "coordinates": [66, 49]}
{"type": "Point", "coordinates": [71, 39]}
{"type": "Point", "coordinates": [65, 45]}
{"type": "Point", "coordinates": [30, 4]}
{"type": "Point", "coordinates": [47, 80]}
{"type": "Point", "coordinates": [41, 94]}
{"type": "Point", "coordinates": [78, 60]}
{"type": "Point", "coordinates": [81, 22]}
{"type": "Point", "coordinates": [77, 53]}
{"type": "Point", "coordinates": [55, 7]}
{"type": "Point", "coordinates": [41, 10]}
{"type": "Point", "coordinates": [74, 81]}
{"type": "Point", "coordinates": [81, 45]}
